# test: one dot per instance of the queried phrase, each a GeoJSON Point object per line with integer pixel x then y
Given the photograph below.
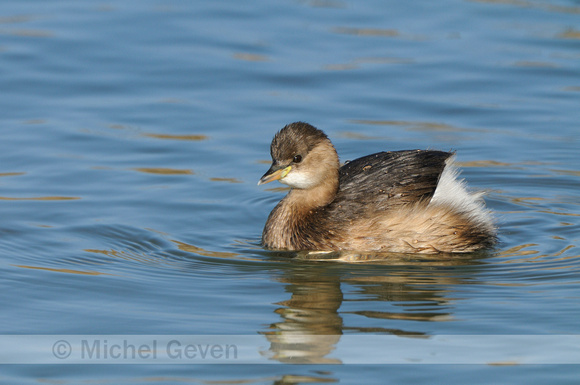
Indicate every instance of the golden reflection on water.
{"type": "Point", "coordinates": [533, 202]}
{"type": "Point", "coordinates": [340, 67]}
{"type": "Point", "coordinates": [228, 180]}
{"type": "Point", "coordinates": [15, 19]}
{"type": "Point", "coordinates": [535, 64]}
{"type": "Point", "coordinates": [141, 257]}
{"type": "Point", "coordinates": [484, 163]}
{"type": "Point", "coordinates": [286, 379]}
{"type": "Point", "coordinates": [570, 34]}
{"type": "Point", "coordinates": [566, 172]}
{"type": "Point", "coordinates": [547, 6]}
{"type": "Point", "coordinates": [361, 61]}
{"type": "Point", "coordinates": [559, 213]}
{"type": "Point", "coordinates": [417, 126]}
{"type": "Point", "coordinates": [177, 137]}
{"type": "Point", "coordinates": [35, 121]}
{"type": "Point", "coordinates": [519, 250]}
{"type": "Point", "coordinates": [47, 198]}
{"type": "Point", "coordinates": [208, 253]}
{"type": "Point", "coordinates": [534, 256]}
{"type": "Point", "coordinates": [164, 171]}
{"type": "Point", "coordinates": [27, 33]}
{"type": "Point", "coordinates": [367, 31]}
{"type": "Point", "coordinates": [68, 271]}
{"type": "Point", "coordinates": [356, 136]}
{"type": "Point", "coordinates": [250, 57]}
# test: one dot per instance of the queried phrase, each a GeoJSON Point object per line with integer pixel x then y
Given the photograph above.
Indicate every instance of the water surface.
{"type": "Point", "coordinates": [133, 137]}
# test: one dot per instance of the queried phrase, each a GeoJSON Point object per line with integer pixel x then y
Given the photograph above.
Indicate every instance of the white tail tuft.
{"type": "Point", "coordinates": [452, 192]}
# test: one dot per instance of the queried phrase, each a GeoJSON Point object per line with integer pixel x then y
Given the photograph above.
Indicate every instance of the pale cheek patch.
{"type": "Point", "coordinates": [300, 180]}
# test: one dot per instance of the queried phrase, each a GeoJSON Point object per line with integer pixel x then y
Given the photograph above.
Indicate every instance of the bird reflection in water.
{"type": "Point", "coordinates": [390, 291]}
{"type": "Point", "coordinates": [311, 324]}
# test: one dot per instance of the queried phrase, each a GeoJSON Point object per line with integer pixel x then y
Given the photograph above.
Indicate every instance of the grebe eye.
{"type": "Point", "coordinates": [297, 159]}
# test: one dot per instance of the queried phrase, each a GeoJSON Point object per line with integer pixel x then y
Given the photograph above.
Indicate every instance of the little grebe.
{"type": "Point", "coordinates": [396, 201]}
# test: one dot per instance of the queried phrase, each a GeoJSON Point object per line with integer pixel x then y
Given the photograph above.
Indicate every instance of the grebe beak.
{"type": "Point", "coordinates": [274, 173]}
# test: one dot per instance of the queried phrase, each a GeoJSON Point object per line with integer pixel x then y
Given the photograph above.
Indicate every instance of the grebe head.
{"type": "Point", "coordinates": [302, 157]}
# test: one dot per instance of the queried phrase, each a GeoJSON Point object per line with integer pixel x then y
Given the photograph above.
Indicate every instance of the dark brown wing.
{"type": "Point", "coordinates": [388, 180]}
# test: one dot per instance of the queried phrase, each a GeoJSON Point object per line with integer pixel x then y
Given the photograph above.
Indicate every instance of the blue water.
{"type": "Point", "coordinates": [134, 133]}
